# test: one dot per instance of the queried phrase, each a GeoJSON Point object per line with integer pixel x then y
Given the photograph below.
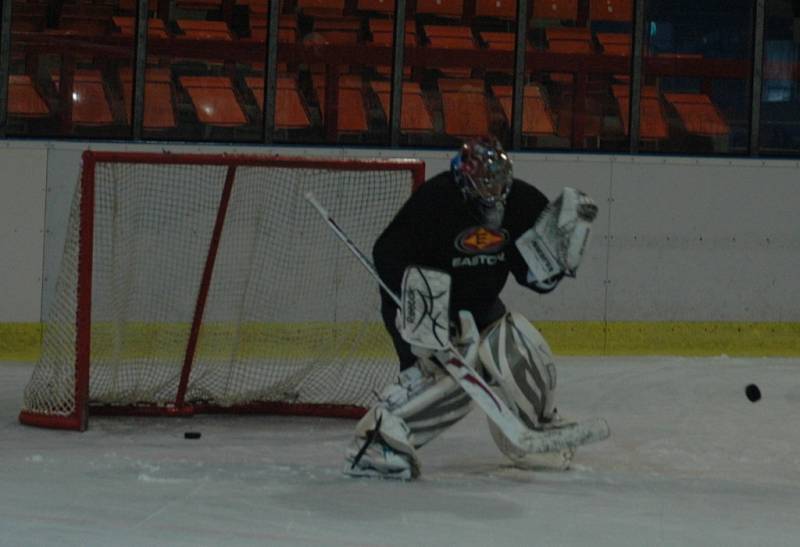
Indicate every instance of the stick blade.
{"type": "Point", "coordinates": [569, 436]}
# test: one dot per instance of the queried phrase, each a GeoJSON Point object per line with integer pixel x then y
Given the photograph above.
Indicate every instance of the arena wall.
{"type": "Point", "coordinates": [689, 256]}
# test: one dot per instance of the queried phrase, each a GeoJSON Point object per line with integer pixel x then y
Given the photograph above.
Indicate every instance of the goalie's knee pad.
{"type": "Point", "coordinates": [519, 361]}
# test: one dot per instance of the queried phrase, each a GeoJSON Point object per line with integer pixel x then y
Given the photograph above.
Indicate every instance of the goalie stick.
{"type": "Point", "coordinates": [528, 440]}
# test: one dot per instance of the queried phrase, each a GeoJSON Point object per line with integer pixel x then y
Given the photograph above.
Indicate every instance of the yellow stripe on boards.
{"type": "Point", "coordinates": [22, 341]}
{"type": "Point", "coordinates": [672, 338]}
{"type": "Point", "coordinates": [167, 341]}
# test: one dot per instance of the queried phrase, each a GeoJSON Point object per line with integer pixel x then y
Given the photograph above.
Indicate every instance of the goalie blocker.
{"type": "Point", "coordinates": [554, 246]}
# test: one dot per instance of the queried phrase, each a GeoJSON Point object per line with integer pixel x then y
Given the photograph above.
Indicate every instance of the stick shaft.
{"type": "Point", "coordinates": [365, 261]}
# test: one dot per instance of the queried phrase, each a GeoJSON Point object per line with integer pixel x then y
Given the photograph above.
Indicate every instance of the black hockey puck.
{"type": "Point", "coordinates": [752, 392]}
{"type": "Point", "coordinates": [192, 435]}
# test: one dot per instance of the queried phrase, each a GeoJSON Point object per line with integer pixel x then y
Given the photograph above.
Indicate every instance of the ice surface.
{"type": "Point", "coordinates": [690, 462]}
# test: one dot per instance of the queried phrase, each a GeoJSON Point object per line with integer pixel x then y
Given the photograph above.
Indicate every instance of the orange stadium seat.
{"type": "Point", "coordinates": [287, 29]}
{"type": "Point", "coordinates": [82, 10]}
{"type": "Point", "coordinates": [329, 38]}
{"type": "Point", "coordinates": [127, 27]}
{"type": "Point", "coordinates": [78, 8]}
{"type": "Point", "coordinates": [337, 23]}
{"type": "Point", "coordinates": [569, 40]}
{"type": "Point", "coordinates": [446, 8]}
{"type": "Point", "coordinates": [24, 99]}
{"type": "Point", "coordinates": [130, 6]}
{"type": "Point", "coordinates": [415, 117]}
{"type": "Point", "coordinates": [451, 37]}
{"type": "Point", "coordinates": [382, 31]}
{"type": "Point", "coordinates": [464, 107]}
{"type": "Point", "coordinates": [611, 10]}
{"type": "Point", "coordinates": [333, 5]}
{"type": "Point", "coordinates": [84, 25]}
{"type": "Point", "coordinates": [204, 30]}
{"type": "Point", "coordinates": [615, 43]}
{"type": "Point", "coordinates": [501, 41]}
{"type": "Point", "coordinates": [256, 85]}
{"type": "Point", "coordinates": [89, 104]}
{"type": "Point", "coordinates": [336, 30]}
{"type": "Point", "coordinates": [536, 116]}
{"type": "Point", "coordinates": [351, 114]}
{"type": "Point", "coordinates": [377, 6]}
{"type": "Point", "coordinates": [652, 120]}
{"type": "Point", "coordinates": [556, 9]}
{"type": "Point", "coordinates": [257, 17]}
{"type": "Point", "coordinates": [700, 116]}
{"type": "Point", "coordinates": [590, 119]}
{"type": "Point", "coordinates": [290, 110]}
{"type": "Point", "coordinates": [255, 7]}
{"type": "Point", "coordinates": [497, 9]}
{"type": "Point", "coordinates": [572, 40]}
{"type": "Point", "coordinates": [199, 5]}
{"type": "Point", "coordinates": [214, 100]}
{"type": "Point", "coordinates": [322, 8]}
{"type": "Point", "coordinates": [159, 112]}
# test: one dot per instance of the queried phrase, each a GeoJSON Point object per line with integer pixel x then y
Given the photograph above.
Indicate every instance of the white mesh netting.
{"type": "Point", "coordinates": [290, 316]}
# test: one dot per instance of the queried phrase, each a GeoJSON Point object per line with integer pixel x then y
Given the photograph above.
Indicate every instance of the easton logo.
{"type": "Point", "coordinates": [481, 240]}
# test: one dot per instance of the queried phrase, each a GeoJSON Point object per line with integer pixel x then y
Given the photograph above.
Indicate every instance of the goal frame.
{"type": "Point", "coordinates": [79, 419]}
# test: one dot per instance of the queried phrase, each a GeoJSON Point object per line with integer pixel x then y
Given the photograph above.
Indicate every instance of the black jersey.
{"type": "Point", "coordinates": [437, 227]}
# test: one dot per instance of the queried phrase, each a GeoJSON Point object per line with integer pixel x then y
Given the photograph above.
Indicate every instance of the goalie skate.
{"type": "Point", "coordinates": [378, 461]}
{"type": "Point", "coordinates": [382, 447]}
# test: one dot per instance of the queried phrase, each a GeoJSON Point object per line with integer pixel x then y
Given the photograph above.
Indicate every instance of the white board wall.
{"type": "Point", "coordinates": [23, 180]}
{"type": "Point", "coordinates": [677, 239]}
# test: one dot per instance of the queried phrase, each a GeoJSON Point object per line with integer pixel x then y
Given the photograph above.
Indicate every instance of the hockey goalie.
{"type": "Point", "coordinates": [471, 226]}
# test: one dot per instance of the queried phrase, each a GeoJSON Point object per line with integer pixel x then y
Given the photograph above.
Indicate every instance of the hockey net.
{"type": "Point", "coordinates": [195, 283]}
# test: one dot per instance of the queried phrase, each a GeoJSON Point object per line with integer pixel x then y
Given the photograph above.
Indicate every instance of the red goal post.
{"type": "Point", "coordinates": [205, 283]}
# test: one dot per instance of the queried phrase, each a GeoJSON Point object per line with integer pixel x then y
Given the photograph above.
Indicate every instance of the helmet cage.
{"type": "Point", "coordinates": [484, 171]}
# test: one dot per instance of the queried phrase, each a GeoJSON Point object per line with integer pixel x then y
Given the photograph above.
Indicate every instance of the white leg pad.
{"type": "Point", "coordinates": [446, 404]}
{"type": "Point", "coordinates": [519, 360]}
{"type": "Point", "coordinates": [410, 413]}
{"type": "Point", "coordinates": [428, 399]}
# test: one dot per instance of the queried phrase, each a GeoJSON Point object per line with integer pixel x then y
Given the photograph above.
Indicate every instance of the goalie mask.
{"type": "Point", "coordinates": [483, 171]}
